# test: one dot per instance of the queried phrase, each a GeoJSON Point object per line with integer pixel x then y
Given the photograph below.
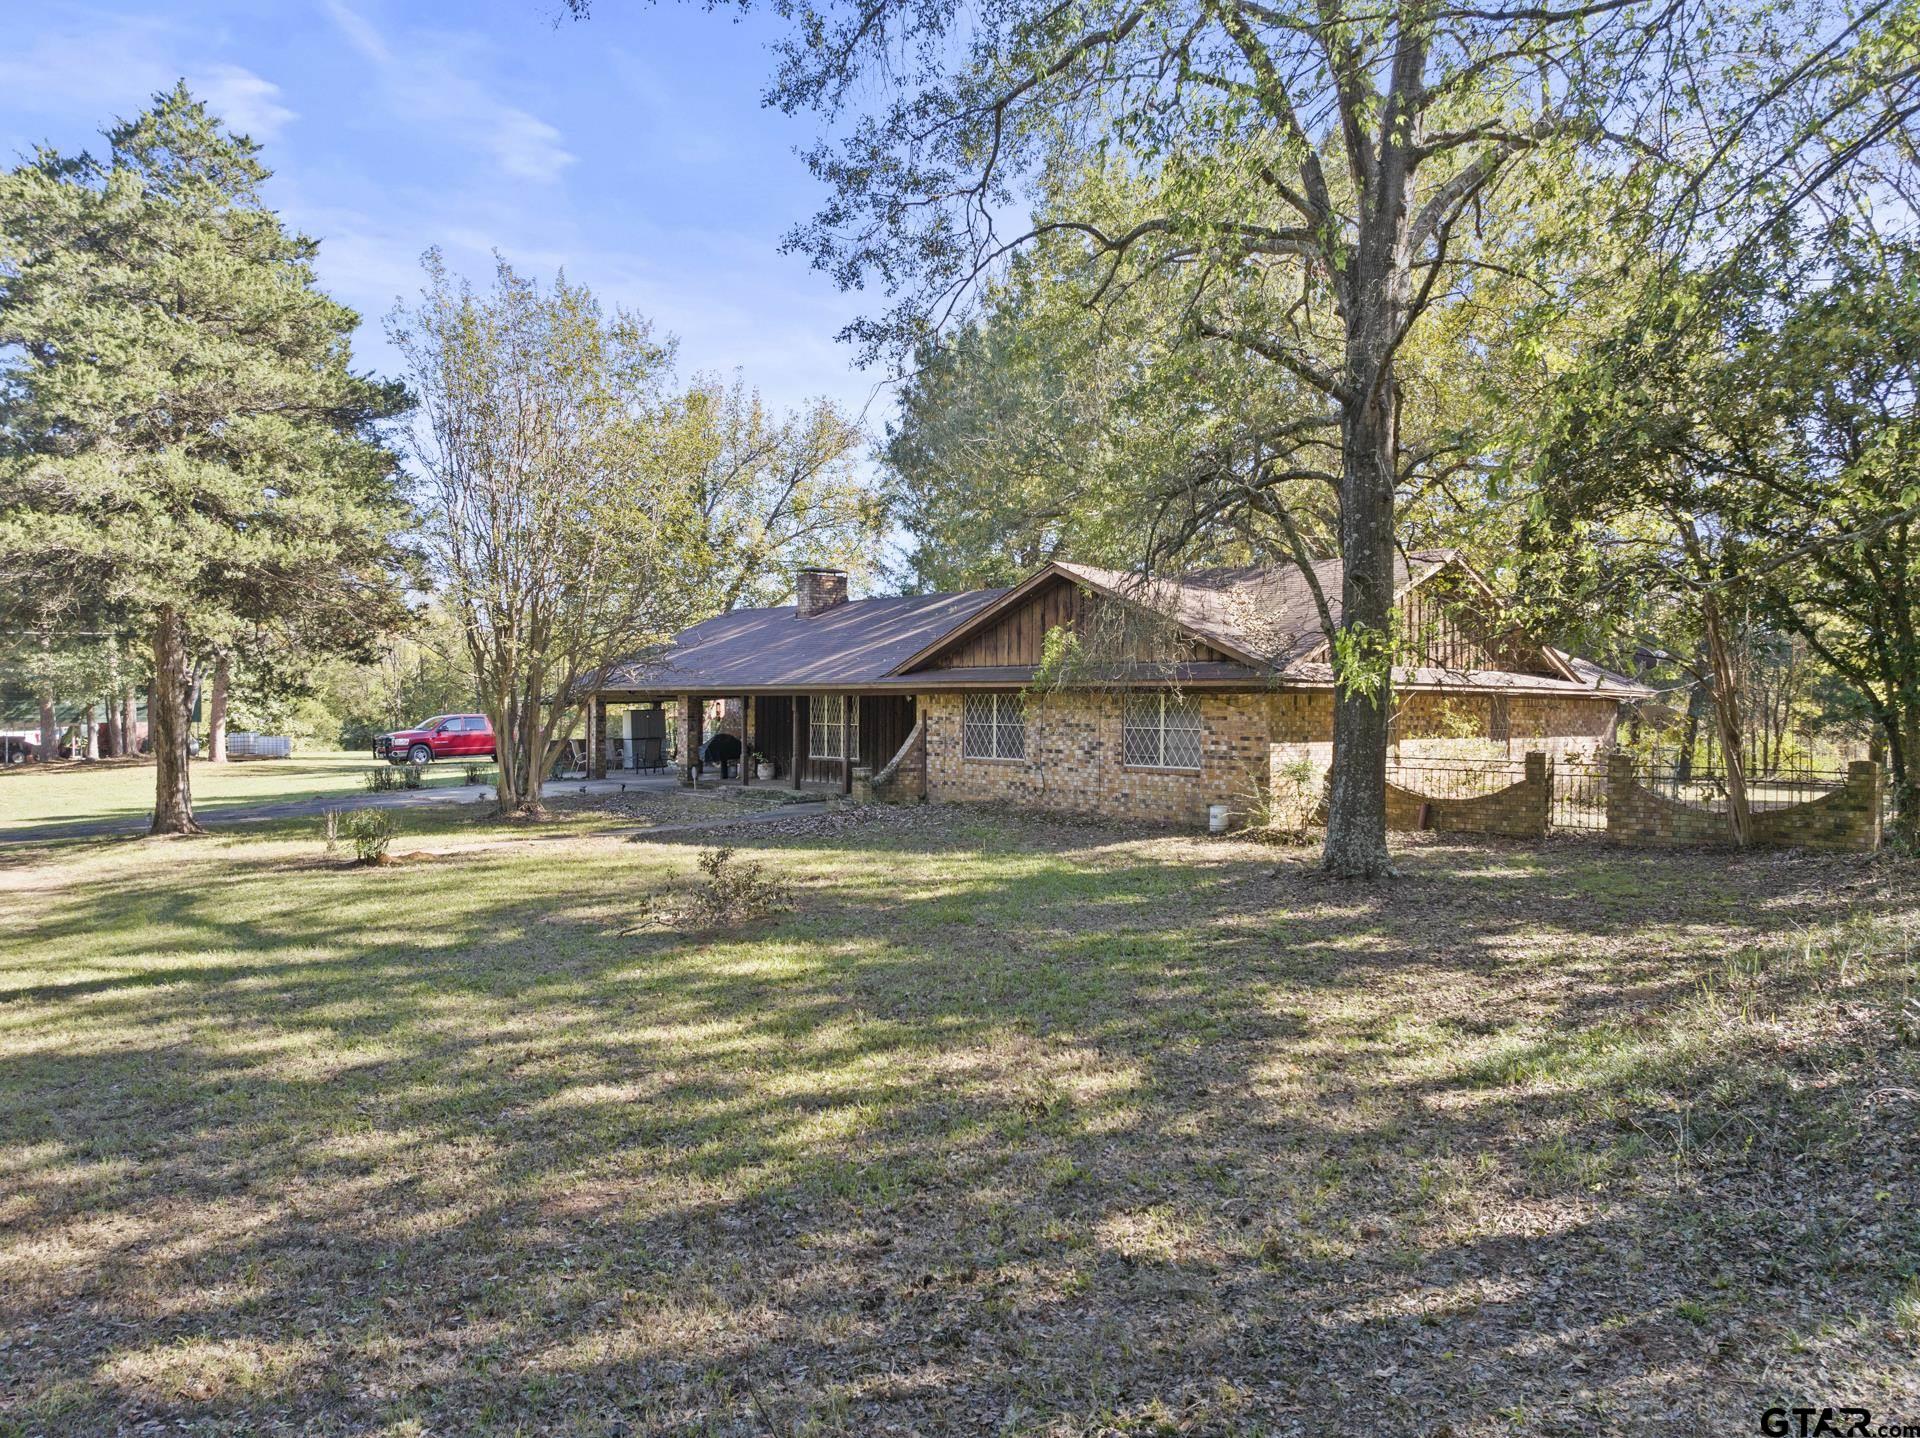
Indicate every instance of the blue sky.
{"type": "Point", "coordinates": [631, 149]}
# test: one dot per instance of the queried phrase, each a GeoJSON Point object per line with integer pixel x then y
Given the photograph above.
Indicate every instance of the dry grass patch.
{"type": "Point", "coordinates": [1007, 1126]}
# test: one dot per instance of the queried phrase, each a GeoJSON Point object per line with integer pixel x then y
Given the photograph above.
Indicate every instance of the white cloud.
{"type": "Point", "coordinates": [362, 36]}
{"type": "Point", "coordinates": [115, 67]}
{"type": "Point", "coordinates": [248, 104]}
{"type": "Point", "coordinates": [423, 87]}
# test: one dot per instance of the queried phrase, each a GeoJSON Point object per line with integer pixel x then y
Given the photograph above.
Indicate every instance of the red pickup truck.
{"type": "Point", "coordinates": [446, 736]}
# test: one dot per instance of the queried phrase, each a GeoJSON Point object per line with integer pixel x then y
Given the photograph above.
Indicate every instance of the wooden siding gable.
{"type": "Point", "coordinates": [1014, 632]}
{"type": "Point", "coordinates": [1450, 615]}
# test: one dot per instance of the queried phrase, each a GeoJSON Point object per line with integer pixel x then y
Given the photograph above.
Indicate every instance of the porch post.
{"type": "Point", "coordinates": [694, 712]}
{"type": "Point", "coordinates": [746, 740]}
{"type": "Point", "coordinates": [596, 737]}
{"type": "Point", "coordinates": [847, 701]}
{"type": "Point", "coordinates": [793, 705]}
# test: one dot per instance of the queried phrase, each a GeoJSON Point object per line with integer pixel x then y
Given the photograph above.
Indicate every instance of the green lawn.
{"type": "Point", "coordinates": [32, 797]}
{"type": "Point", "coordinates": [1007, 1127]}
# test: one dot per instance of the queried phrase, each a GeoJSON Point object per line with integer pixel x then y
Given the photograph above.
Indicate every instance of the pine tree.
{"type": "Point", "coordinates": [187, 452]}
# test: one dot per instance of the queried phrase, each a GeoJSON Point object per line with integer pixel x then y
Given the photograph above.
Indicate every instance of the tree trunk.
{"type": "Point", "coordinates": [217, 714]}
{"type": "Point", "coordinates": [93, 732]}
{"type": "Point", "coordinates": [521, 744]}
{"type": "Point", "coordinates": [1356, 845]}
{"type": "Point", "coordinates": [167, 723]}
{"type": "Point", "coordinates": [1902, 743]}
{"type": "Point", "coordinates": [1726, 708]}
{"type": "Point", "coordinates": [49, 731]}
{"type": "Point", "coordinates": [1697, 701]}
{"type": "Point", "coordinates": [129, 721]}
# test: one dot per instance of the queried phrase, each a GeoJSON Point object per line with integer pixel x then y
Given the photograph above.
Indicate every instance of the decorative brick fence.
{"type": "Point", "coordinates": [1519, 811]}
{"type": "Point", "coordinates": [1847, 818]}
{"type": "Point", "coordinates": [903, 781]}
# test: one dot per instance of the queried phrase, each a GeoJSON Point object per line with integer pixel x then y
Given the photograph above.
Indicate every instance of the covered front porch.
{"type": "Point", "coordinates": [813, 739]}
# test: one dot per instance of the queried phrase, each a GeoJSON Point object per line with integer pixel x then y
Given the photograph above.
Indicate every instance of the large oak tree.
{"type": "Point", "coordinates": [1314, 174]}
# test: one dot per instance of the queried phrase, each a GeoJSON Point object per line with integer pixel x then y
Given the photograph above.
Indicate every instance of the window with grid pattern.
{"type": "Point", "coordinates": [993, 726]}
{"type": "Point", "coordinates": [1161, 731]}
{"type": "Point", "coordinates": [826, 713]}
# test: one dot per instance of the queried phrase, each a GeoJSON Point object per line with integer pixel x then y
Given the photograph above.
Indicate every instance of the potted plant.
{"type": "Point", "coordinates": [763, 769]}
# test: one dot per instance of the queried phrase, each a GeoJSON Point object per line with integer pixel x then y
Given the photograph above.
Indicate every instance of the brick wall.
{"type": "Point", "coordinates": [1518, 811]}
{"type": "Point", "coordinates": [1451, 726]}
{"type": "Point", "coordinates": [903, 780]}
{"type": "Point", "coordinates": [1073, 762]}
{"type": "Point", "coordinates": [1848, 818]}
{"type": "Point", "coordinates": [1074, 747]}
{"type": "Point", "coordinates": [1463, 726]}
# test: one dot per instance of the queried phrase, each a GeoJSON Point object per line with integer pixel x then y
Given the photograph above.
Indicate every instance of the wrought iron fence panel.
{"type": "Point", "coordinates": [1579, 796]}
{"type": "Point", "coordinates": [1454, 778]}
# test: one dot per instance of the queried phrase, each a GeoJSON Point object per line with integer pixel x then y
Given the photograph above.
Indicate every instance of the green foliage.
{"type": "Point", "coordinates": [382, 779]}
{"type": "Point", "coordinates": [1363, 660]}
{"type": "Point", "coordinates": [731, 891]}
{"type": "Point", "coordinates": [1062, 657]}
{"type": "Point", "coordinates": [1748, 437]}
{"type": "Point", "coordinates": [370, 831]}
{"type": "Point", "coordinates": [555, 520]}
{"type": "Point", "coordinates": [184, 438]}
{"type": "Point", "coordinates": [766, 494]}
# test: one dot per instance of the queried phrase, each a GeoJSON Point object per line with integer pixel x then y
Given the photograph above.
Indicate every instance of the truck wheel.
{"type": "Point", "coordinates": [420, 754]}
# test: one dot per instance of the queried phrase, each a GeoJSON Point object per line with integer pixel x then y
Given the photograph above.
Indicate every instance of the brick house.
{"type": "Point", "coordinates": [1088, 690]}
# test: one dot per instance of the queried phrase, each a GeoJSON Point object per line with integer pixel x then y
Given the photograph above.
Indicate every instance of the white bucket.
{"type": "Point", "coordinates": [1217, 818]}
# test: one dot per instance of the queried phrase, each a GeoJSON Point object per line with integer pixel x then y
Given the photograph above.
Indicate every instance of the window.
{"type": "Point", "coordinates": [1162, 731]}
{"type": "Point", "coordinates": [826, 714]}
{"type": "Point", "coordinates": [993, 726]}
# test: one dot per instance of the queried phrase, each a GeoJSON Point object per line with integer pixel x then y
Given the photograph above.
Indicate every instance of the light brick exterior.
{"type": "Point", "coordinates": [1451, 726]}
{"type": "Point", "coordinates": [1074, 748]}
{"type": "Point", "coordinates": [1073, 762]}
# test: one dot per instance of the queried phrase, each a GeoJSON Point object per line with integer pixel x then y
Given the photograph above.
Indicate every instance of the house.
{"type": "Point", "coordinates": [1092, 691]}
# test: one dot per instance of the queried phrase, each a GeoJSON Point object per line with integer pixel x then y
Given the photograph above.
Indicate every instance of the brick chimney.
{"type": "Point", "coordinates": [819, 590]}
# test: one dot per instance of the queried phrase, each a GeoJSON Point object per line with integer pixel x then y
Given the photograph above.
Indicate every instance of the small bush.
{"type": "Point", "coordinates": [369, 831]}
{"type": "Point", "coordinates": [730, 891]}
{"type": "Point", "coordinates": [381, 778]}
{"type": "Point", "coordinates": [414, 776]}
{"type": "Point", "coordinates": [479, 774]}
{"type": "Point", "coordinates": [1282, 812]}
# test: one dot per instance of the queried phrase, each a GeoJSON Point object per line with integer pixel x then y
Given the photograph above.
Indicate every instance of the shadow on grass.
{"type": "Point", "coordinates": [1008, 1127]}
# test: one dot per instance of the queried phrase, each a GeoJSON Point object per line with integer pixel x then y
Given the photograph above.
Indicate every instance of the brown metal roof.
{"type": "Point", "coordinates": [1265, 613]}
{"type": "Point", "coordinates": [850, 644]}
{"type": "Point", "coordinates": [1264, 616]}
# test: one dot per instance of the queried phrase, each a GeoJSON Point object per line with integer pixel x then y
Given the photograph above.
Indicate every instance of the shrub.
{"type": "Point", "coordinates": [414, 776]}
{"type": "Point", "coordinates": [381, 778]}
{"type": "Point", "coordinates": [1283, 811]}
{"type": "Point", "coordinates": [730, 891]}
{"type": "Point", "coordinates": [369, 831]}
{"type": "Point", "coordinates": [479, 774]}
